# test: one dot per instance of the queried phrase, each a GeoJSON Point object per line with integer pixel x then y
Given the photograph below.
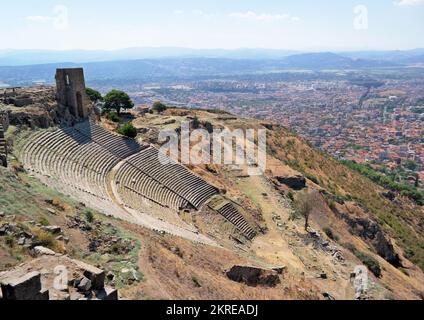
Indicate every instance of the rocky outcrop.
{"type": "Point", "coordinates": [253, 276]}
{"type": "Point", "coordinates": [294, 182]}
{"type": "Point", "coordinates": [35, 107]}
{"type": "Point", "coordinates": [372, 233]}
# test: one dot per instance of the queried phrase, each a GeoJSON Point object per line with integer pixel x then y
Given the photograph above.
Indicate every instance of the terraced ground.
{"type": "Point", "coordinates": [122, 178]}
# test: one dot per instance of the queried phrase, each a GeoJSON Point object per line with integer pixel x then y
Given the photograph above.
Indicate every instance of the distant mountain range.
{"type": "Point", "coordinates": [188, 64]}
{"type": "Point", "coordinates": [30, 57]}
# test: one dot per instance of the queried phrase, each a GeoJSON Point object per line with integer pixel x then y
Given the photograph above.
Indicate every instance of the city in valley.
{"type": "Point", "coordinates": [377, 121]}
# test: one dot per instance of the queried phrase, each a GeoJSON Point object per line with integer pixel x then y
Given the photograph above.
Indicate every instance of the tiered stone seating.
{"type": "Point", "coordinates": [173, 176]}
{"type": "Point", "coordinates": [131, 179]}
{"type": "Point", "coordinates": [230, 213]}
{"type": "Point", "coordinates": [119, 146]}
{"type": "Point", "coordinates": [79, 161]}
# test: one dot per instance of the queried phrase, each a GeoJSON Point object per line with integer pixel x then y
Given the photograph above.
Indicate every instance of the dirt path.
{"type": "Point", "coordinates": [152, 285]}
{"type": "Point", "coordinates": [271, 246]}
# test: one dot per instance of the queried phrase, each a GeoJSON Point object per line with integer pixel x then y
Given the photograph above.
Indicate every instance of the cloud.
{"type": "Point", "coordinates": [59, 19]}
{"type": "Point", "coordinates": [177, 12]}
{"type": "Point", "coordinates": [264, 16]}
{"type": "Point", "coordinates": [408, 2]}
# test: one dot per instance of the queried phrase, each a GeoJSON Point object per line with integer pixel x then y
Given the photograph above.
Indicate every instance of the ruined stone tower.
{"type": "Point", "coordinates": [70, 86]}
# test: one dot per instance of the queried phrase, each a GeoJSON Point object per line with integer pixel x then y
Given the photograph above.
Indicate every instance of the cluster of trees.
{"type": "Point", "coordinates": [114, 100]}
{"type": "Point", "coordinates": [387, 182]}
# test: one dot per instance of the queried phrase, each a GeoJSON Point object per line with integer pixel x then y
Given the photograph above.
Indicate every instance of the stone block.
{"type": "Point", "coordinates": [27, 287]}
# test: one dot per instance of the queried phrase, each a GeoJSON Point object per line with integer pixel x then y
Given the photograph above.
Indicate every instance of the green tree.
{"type": "Point", "coordinates": [411, 165]}
{"type": "Point", "coordinates": [94, 95]}
{"type": "Point", "coordinates": [128, 130]}
{"type": "Point", "coordinates": [118, 100]}
{"type": "Point", "coordinates": [159, 107]}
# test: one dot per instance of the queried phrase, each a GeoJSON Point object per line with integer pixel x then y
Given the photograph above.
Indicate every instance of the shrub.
{"type": "Point", "coordinates": [159, 107]}
{"type": "Point", "coordinates": [367, 260]}
{"type": "Point", "coordinates": [312, 178]}
{"type": "Point", "coordinates": [291, 195]}
{"type": "Point", "coordinates": [45, 239]}
{"type": "Point", "coordinates": [44, 222]}
{"type": "Point", "coordinates": [195, 123]}
{"type": "Point", "coordinates": [208, 126]}
{"type": "Point", "coordinates": [370, 263]}
{"type": "Point", "coordinates": [350, 247]}
{"type": "Point", "coordinates": [332, 204]}
{"type": "Point", "coordinates": [196, 281]}
{"type": "Point", "coordinates": [10, 241]}
{"type": "Point", "coordinates": [113, 116]}
{"type": "Point", "coordinates": [330, 234]}
{"type": "Point", "coordinates": [89, 216]}
{"type": "Point", "coordinates": [128, 130]}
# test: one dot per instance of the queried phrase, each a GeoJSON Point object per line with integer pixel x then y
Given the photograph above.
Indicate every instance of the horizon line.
{"type": "Point", "coordinates": [218, 48]}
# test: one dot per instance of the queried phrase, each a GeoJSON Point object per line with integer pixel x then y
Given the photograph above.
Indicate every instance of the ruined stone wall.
{"type": "Point", "coordinates": [4, 120]}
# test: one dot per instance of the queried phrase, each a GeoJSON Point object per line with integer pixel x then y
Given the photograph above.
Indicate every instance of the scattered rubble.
{"type": "Point", "coordinates": [319, 242]}
{"type": "Point", "coordinates": [55, 277]}
{"type": "Point", "coordinates": [100, 239]}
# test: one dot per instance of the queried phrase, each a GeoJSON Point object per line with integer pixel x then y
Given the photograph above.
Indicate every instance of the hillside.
{"type": "Point", "coordinates": [351, 223]}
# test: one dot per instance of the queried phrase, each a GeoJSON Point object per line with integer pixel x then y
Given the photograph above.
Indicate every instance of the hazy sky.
{"type": "Point", "coordinates": [296, 24]}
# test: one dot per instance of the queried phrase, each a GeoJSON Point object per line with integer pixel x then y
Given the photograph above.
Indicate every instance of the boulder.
{"type": "Point", "coordinates": [95, 275]}
{"type": "Point", "coordinates": [328, 296]}
{"type": "Point", "coordinates": [84, 285]}
{"type": "Point", "coordinates": [294, 182]}
{"type": "Point", "coordinates": [42, 251]}
{"type": "Point", "coordinates": [21, 241]}
{"type": "Point", "coordinates": [53, 229]}
{"type": "Point", "coordinates": [253, 276]}
{"type": "Point", "coordinates": [280, 270]}
{"type": "Point", "coordinates": [27, 287]}
{"type": "Point", "coordinates": [107, 293]}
